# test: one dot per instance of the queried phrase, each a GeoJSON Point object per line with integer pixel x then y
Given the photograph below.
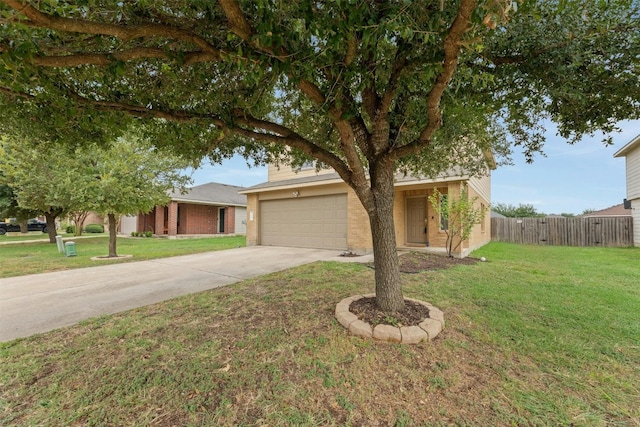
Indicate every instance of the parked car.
{"type": "Point", "coordinates": [32, 225]}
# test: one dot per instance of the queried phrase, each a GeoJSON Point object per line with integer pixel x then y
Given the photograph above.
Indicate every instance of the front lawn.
{"type": "Point", "coordinates": [535, 336]}
{"type": "Point", "coordinates": [38, 257]}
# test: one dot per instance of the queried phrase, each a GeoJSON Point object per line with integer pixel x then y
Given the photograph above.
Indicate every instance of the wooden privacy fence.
{"type": "Point", "coordinates": [561, 231]}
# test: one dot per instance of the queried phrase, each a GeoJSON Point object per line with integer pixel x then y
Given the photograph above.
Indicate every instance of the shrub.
{"type": "Point", "coordinates": [94, 228]}
{"type": "Point", "coordinates": [70, 229]}
{"type": "Point", "coordinates": [148, 233]}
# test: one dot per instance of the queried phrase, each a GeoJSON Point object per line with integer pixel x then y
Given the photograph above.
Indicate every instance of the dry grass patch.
{"type": "Point", "coordinates": [269, 352]}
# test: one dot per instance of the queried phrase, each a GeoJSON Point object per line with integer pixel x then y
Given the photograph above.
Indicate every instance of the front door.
{"type": "Point", "coordinates": [417, 220]}
{"type": "Point", "coordinates": [221, 219]}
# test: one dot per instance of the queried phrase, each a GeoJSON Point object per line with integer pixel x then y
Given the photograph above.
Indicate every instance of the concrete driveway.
{"type": "Point", "coordinates": [43, 302]}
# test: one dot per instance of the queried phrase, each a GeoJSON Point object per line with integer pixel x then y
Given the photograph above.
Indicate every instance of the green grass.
{"type": "Point", "coordinates": [535, 336]}
{"type": "Point", "coordinates": [31, 235]}
{"type": "Point", "coordinates": [29, 258]}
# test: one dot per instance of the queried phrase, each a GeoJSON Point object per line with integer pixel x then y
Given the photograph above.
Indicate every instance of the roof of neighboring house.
{"type": "Point", "coordinates": [497, 215]}
{"type": "Point", "coordinates": [632, 145]}
{"type": "Point", "coordinates": [212, 193]}
{"type": "Point", "coordinates": [617, 210]}
{"type": "Point", "coordinates": [334, 178]}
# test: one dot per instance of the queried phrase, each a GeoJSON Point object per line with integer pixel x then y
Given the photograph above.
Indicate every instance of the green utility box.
{"type": "Point", "coordinates": [70, 249]}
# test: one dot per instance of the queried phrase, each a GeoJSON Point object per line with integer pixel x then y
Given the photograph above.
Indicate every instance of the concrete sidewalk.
{"type": "Point", "coordinates": [43, 302]}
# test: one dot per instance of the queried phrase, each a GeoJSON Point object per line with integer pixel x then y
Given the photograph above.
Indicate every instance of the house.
{"type": "Point", "coordinates": [631, 152]}
{"type": "Point", "coordinates": [211, 208]}
{"type": "Point", "coordinates": [316, 209]}
{"type": "Point", "coordinates": [613, 211]}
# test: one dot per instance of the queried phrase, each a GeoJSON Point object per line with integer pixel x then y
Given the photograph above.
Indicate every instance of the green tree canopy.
{"type": "Point", "coordinates": [522, 210]}
{"type": "Point", "coordinates": [367, 88]}
{"type": "Point", "coordinates": [124, 177]}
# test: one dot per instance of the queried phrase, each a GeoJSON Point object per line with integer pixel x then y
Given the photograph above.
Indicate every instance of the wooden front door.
{"type": "Point", "coordinates": [417, 220]}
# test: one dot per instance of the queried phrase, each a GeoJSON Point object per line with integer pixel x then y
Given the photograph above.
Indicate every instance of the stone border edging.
{"type": "Point", "coordinates": [428, 329]}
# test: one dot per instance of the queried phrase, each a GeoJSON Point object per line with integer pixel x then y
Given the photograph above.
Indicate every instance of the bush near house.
{"type": "Point", "coordinates": [94, 228]}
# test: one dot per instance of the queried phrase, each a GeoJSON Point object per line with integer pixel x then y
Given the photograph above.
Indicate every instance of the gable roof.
{"type": "Point", "coordinates": [212, 193]}
{"type": "Point", "coordinates": [632, 145]}
{"type": "Point", "coordinates": [617, 210]}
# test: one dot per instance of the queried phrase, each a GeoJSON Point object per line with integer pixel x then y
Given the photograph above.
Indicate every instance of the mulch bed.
{"type": "Point", "coordinates": [415, 262]}
{"type": "Point", "coordinates": [413, 313]}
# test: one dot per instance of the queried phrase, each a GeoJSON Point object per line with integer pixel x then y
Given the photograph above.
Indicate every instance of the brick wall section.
{"type": "Point", "coordinates": [173, 219]}
{"type": "Point", "coordinates": [252, 219]}
{"type": "Point", "coordinates": [198, 219]}
{"type": "Point", "coordinates": [159, 220]}
{"type": "Point", "coordinates": [358, 227]}
{"type": "Point", "coordinates": [147, 222]}
{"type": "Point", "coordinates": [481, 233]}
{"type": "Point", "coordinates": [230, 220]}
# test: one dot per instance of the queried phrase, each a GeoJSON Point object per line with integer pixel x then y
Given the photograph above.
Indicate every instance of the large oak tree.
{"type": "Point", "coordinates": [366, 87]}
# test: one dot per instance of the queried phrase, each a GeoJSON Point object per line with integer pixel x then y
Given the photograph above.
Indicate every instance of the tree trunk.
{"type": "Point", "coordinates": [50, 218]}
{"type": "Point", "coordinates": [23, 223]}
{"type": "Point", "coordinates": [389, 296]}
{"type": "Point", "coordinates": [112, 236]}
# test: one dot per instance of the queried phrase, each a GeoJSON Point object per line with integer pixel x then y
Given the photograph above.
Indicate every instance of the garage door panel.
{"type": "Point", "coordinates": [317, 222]}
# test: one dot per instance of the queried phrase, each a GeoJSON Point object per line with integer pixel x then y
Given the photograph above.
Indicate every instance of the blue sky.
{"type": "Point", "coordinates": [569, 179]}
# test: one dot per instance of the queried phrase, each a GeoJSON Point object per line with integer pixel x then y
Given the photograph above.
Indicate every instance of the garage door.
{"type": "Point", "coordinates": [308, 222]}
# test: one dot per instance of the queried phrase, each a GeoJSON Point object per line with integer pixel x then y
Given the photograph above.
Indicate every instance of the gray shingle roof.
{"type": "Point", "coordinates": [212, 193]}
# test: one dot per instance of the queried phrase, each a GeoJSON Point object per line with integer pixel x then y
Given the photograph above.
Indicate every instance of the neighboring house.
{"type": "Point", "coordinates": [613, 211]}
{"type": "Point", "coordinates": [631, 152]}
{"type": "Point", "coordinates": [211, 208]}
{"type": "Point", "coordinates": [307, 208]}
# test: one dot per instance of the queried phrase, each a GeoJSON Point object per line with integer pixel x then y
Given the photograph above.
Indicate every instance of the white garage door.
{"type": "Point", "coordinates": [308, 222]}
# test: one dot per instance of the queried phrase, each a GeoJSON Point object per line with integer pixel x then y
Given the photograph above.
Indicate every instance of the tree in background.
{"type": "Point", "coordinates": [9, 206]}
{"type": "Point", "coordinates": [125, 177]}
{"type": "Point", "coordinates": [458, 215]}
{"type": "Point", "coordinates": [366, 88]}
{"type": "Point", "coordinates": [523, 210]}
{"type": "Point", "coordinates": [132, 177]}
{"type": "Point", "coordinates": [37, 177]}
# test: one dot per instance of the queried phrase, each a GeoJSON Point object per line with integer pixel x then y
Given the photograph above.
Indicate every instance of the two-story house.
{"type": "Point", "coordinates": [631, 152]}
{"type": "Point", "coordinates": [316, 209]}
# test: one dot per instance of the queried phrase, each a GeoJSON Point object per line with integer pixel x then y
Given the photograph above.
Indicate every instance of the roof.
{"type": "Point", "coordinates": [617, 210]}
{"type": "Point", "coordinates": [334, 178]}
{"type": "Point", "coordinates": [632, 145]}
{"type": "Point", "coordinates": [212, 193]}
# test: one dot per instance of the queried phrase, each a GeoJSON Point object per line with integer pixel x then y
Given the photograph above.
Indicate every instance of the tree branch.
{"type": "Point", "coordinates": [452, 47]}
{"type": "Point", "coordinates": [125, 33]}
{"type": "Point", "coordinates": [238, 22]}
{"type": "Point", "coordinates": [104, 59]}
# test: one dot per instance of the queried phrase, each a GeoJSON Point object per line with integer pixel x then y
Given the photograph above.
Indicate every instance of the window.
{"type": "Point", "coordinates": [444, 212]}
{"type": "Point", "coordinates": [483, 227]}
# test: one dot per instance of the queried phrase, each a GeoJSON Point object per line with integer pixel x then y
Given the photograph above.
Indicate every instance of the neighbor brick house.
{"type": "Point", "coordinates": [211, 208]}
{"type": "Point", "coordinates": [316, 209]}
{"type": "Point", "coordinates": [631, 153]}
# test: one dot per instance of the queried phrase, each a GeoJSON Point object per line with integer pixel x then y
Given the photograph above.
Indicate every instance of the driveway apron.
{"type": "Point", "coordinates": [42, 302]}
